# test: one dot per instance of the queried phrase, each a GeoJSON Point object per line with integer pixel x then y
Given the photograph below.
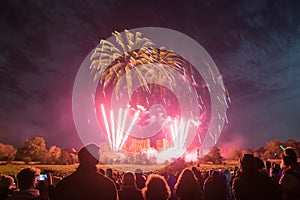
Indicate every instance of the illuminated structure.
{"type": "Point", "coordinates": [104, 147]}
{"type": "Point", "coordinates": [161, 144]}
{"type": "Point", "coordinates": [139, 144]}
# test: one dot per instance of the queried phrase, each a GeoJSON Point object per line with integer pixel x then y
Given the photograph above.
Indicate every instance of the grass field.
{"type": "Point", "coordinates": [12, 169]}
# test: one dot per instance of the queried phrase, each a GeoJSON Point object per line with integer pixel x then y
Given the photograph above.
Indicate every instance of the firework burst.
{"type": "Point", "coordinates": [134, 52]}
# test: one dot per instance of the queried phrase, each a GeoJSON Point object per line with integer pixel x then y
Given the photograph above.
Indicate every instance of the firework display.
{"type": "Point", "coordinates": [150, 96]}
{"type": "Point", "coordinates": [110, 63]}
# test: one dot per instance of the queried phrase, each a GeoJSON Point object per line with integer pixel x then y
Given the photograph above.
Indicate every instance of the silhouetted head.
{"type": "Point", "coordinates": [289, 157]}
{"type": "Point", "coordinates": [226, 171]}
{"type": "Point", "coordinates": [274, 170]}
{"type": "Point", "coordinates": [101, 171]}
{"type": "Point", "coordinates": [215, 173]}
{"type": "Point", "coordinates": [109, 172]}
{"type": "Point", "coordinates": [156, 188]}
{"type": "Point", "coordinates": [27, 178]}
{"type": "Point", "coordinates": [6, 181]}
{"type": "Point", "coordinates": [138, 172]}
{"type": "Point", "coordinates": [248, 163]}
{"type": "Point", "coordinates": [128, 180]}
{"type": "Point", "coordinates": [259, 163]}
{"type": "Point", "coordinates": [186, 176]}
{"type": "Point", "coordinates": [89, 155]}
{"type": "Point", "coordinates": [268, 164]}
{"type": "Point", "coordinates": [185, 183]}
{"type": "Point", "coordinates": [196, 173]}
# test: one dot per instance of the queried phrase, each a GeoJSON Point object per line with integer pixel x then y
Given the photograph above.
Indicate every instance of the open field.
{"type": "Point", "coordinates": [13, 169]}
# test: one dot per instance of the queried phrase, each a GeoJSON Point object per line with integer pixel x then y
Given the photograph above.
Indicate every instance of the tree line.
{"type": "Point", "coordinates": [35, 150]}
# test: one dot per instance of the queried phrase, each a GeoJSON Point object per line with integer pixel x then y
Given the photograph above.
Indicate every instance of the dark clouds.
{"type": "Point", "coordinates": [255, 44]}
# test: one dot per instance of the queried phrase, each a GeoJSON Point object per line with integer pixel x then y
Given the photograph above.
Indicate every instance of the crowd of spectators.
{"type": "Point", "coordinates": [253, 179]}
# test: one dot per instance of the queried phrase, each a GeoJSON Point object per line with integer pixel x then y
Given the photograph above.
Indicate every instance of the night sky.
{"type": "Point", "coordinates": [255, 44]}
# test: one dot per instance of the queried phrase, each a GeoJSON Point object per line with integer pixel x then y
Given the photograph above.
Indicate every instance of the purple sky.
{"type": "Point", "coordinates": [255, 44]}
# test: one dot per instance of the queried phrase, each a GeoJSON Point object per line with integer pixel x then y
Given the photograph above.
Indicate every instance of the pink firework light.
{"type": "Point", "coordinates": [117, 135]}
{"type": "Point", "coordinates": [119, 123]}
{"type": "Point", "coordinates": [180, 132]}
{"type": "Point", "coordinates": [141, 99]}
{"type": "Point", "coordinates": [187, 71]}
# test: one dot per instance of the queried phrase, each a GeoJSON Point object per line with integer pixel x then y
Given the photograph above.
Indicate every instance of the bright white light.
{"type": "Point", "coordinates": [180, 132]}
{"type": "Point", "coordinates": [112, 125]}
{"type": "Point", "coordinates": [135, 117]}
{"type": "Point", "coordinates": [106, 125]}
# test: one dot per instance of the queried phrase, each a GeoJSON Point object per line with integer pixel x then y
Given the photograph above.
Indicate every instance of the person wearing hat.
{"type": "Point", "coordinates": [86, 182]}
{"type": "Point", "coordinates": [290, 180]}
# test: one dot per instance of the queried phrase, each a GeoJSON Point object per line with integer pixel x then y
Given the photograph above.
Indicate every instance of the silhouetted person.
{"type": "Point", "coordinates": [101, 171]}
{"type": "Point", "coordinates": [46, 190]}
{"type": "Point", "coordinates": [86, 182]}
{"type": "Point", "coordinates": [268, 166]}
{"type": "Point", "coordinates": [129, 189]}
{"type": "Point", "coordinates": [260, 165]}
{"type": "Point", "coordinates": [215, 187]}
{"type": "Point", "coordinates": [290, 180]}
{"type": "Point", "coordinates": [27, 181]}
{"type": "Point", "coordinates": [199, 178]}
{"type": "Point", "coordinates": [6, 184]}
{"type": "Point", "coordinates": [227, 178]}
{"type": "Point", "coordinates": [275, 175]}
{"type": "Point", "coordinates": [187, 187]}
{"type": "Point", "coordinates": [140, 178]}
{"type": "Point", "coordinates": [109, 174]}
{"type": "Point", "coordinates": [252, 184]}
{"type": "Point", "coordinates": [156, 188]}
{"type": "Point", "coordinates": [171, 180]}
{"type": "Point", "coordinates": [236, 173]}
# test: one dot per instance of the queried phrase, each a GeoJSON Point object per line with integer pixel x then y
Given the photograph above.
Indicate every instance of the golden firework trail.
{"type": "Point", "coordinates": [134, 52]}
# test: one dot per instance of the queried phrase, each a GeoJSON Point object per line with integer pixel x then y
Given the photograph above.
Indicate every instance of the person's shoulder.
{"type": "Point", "coordinates": [133, 193]}
{"type": "Point", "coordinates": [66, 180]}
{"type": "Point", "coordinates": [294, 171]}
{"type": "Point", "coordinates": [290, 175]}
{"type": "Point", "coordinates": [236, 179]}
{"type": "Point", "coordinates": [239, 180]}
{"type": "Point", "coordinates": [105, 180]}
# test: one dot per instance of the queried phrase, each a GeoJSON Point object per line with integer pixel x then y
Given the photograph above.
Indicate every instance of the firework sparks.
{"type": "Point", "coordinates": [180, 132]}
{"type": "Point", "coordinates": [129, 69]}
{"type": "Point", "coordinates": [129, 128]}
{"type": "Point", "coordinates": [106, 125]}
{"type": "Point", "coordinates": [133, 52]}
